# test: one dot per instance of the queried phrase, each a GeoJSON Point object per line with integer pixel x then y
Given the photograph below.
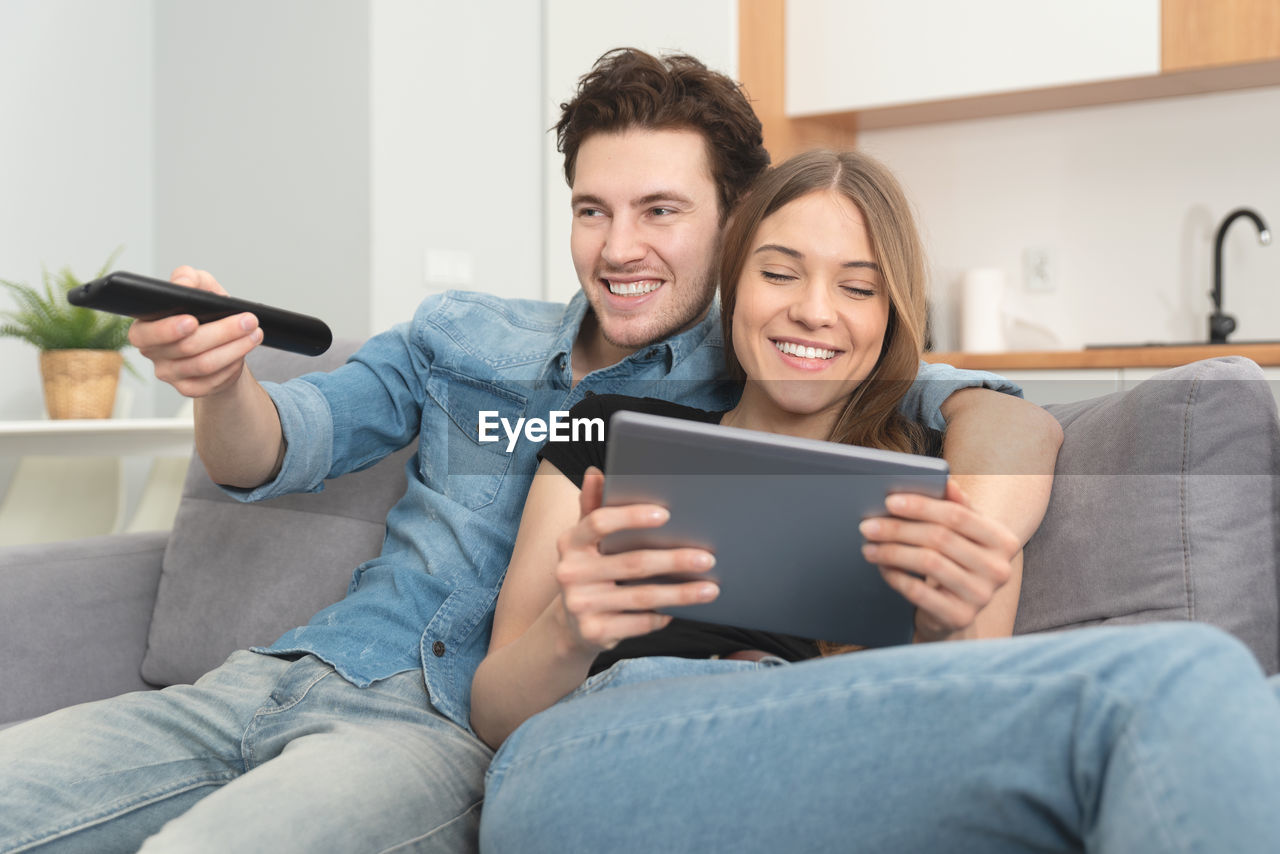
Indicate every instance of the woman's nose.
{"type": "Point", "coordinates": [813, 306]}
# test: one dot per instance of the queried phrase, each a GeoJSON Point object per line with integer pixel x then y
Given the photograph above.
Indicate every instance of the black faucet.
{"type": "Point", "coordinates": [1221, 325]}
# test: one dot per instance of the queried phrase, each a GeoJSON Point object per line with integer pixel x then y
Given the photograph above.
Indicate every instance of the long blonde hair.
{"type": "Point", "coordinates": [871, 417]}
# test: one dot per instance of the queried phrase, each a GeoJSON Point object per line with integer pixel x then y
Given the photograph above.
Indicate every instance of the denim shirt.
{"type": "Point", "coordinates": [427, 600]}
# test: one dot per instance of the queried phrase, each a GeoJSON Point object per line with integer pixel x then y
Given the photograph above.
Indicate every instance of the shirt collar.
{"type": "Point", "coordinates": [574, 311]}
{"type": "Point", "coordinates": [706, 330]}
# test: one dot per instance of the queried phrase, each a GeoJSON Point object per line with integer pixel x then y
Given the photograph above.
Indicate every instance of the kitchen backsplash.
{"type": "Point", "coordinates": [1112, 208]}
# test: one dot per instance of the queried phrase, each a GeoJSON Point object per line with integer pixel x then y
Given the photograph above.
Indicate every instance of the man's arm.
{"type": "Point", "coordinates": [237, 428]}
{"type": "Point", "coordinates": [1002, 451]}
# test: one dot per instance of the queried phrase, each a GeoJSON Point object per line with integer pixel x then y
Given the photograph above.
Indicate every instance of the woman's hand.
{"type": "Point", "coordinates": [595, 609]}
{"type": "Point", "coordinates": [943, 557]}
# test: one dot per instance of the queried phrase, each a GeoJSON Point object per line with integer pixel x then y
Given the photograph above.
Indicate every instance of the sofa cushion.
{"type": "Point", "coordinates": [1164, 507]}
{"type": "Point", "coordinates": [238, 575]}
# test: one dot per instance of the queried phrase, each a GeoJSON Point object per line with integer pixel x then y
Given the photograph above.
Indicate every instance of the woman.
{"type": "Point", "coordinates": [823, 307]}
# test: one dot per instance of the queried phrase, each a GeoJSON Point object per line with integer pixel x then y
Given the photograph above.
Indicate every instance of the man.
{"type": "Point", "coordinates": [351, 733]}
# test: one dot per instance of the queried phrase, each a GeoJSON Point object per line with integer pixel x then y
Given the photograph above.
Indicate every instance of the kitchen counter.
{"type": "Point", "coordinates": [1108, 357]}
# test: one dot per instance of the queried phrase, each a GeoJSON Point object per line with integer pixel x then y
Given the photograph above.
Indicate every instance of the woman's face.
{"type": "Point", "coordinates": [811, 313]}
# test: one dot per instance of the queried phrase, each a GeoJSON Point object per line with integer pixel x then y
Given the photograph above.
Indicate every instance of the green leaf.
{"type": "Point", "coordinates": [46, 320]}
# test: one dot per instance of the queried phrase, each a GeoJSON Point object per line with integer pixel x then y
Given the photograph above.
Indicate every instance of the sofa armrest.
{"type": "Point", "coordinates": [74, 619]}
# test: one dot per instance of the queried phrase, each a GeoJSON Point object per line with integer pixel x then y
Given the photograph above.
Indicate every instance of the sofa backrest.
{"type": "Point", "coordinates": [1164, 508]}
{"type": "Point", "coordinates": [238, 575]}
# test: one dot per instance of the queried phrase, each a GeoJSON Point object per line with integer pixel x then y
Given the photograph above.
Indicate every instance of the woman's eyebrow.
{"type": "Point", "coordinates": [798, 255]}
{"type": "Point", "coordinates": [785, 250]}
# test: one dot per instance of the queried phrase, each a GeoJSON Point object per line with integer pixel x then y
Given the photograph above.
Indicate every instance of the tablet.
{"type": "Point", "coordinates": [780, 514]}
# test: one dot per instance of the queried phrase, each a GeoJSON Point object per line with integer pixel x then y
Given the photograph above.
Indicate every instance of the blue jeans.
{"type": "Point", "coordinates": [261, 754]}
{"type": "Point", "coordinates": [1154, 738]}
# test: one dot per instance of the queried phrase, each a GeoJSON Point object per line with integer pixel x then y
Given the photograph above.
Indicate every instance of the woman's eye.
{"type": "Point", "coordinates": [857, 292]}
{"type": "Point", "coordinates": [771, 276]}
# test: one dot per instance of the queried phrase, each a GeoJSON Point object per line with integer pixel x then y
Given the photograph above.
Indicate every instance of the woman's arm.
{"type": "Point", "coordinates": [561, 604]}
{"type": "Point", "coordinates": [1002, 450]}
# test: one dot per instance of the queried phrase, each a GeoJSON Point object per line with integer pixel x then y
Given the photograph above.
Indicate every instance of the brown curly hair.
{"type": "Point", "coordinates": [628, 88]}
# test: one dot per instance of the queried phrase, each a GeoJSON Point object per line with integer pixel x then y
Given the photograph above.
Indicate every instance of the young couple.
{"type": "Point", "coordinates": [353, 733]}
{"type": "Point", "coordinates": [1105, 739]}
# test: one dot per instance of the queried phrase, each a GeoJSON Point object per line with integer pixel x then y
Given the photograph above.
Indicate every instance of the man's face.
{"type": "Point", "coordinates": [645, 228]}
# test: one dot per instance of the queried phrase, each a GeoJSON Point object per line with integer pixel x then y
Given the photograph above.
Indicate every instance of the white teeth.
{"type": "Point", "coordinates": [804, 352]}
{"type": "Point", "coordinates": [631, 289]}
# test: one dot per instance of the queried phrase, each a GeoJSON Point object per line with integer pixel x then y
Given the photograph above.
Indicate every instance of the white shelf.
{"type": "Point", "coordinates": [152, 437]}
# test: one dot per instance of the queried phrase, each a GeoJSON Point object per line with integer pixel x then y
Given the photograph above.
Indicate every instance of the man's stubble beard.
{"type": "Point", "coordinates": [677, 320]}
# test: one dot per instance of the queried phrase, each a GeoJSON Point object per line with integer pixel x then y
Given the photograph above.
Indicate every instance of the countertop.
{"type": "Point", "coordinates": [1108, 357]}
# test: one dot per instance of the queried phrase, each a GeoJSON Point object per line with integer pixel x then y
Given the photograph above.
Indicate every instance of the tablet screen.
{"type": "Point", "coordinates": [781, 515]}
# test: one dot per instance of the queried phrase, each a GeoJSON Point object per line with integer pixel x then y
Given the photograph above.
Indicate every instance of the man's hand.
{"type": "Point", "coordinates": [198, 359]}
{"type": "Point", "coordinates": [238, 434]}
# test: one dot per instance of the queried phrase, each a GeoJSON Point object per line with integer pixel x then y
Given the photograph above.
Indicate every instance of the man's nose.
{"type": "Point", "coordinates": [623, 244]}
{"type": "Point", "coordinates": [813, 306]}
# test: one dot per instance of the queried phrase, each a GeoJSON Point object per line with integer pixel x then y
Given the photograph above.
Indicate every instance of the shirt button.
{"type": "Point", "coordinates": [562, 361]}
{"type": "Point", "coordinates": [438, 649]}
{"type": "Point", "coordinates": [653, 354]}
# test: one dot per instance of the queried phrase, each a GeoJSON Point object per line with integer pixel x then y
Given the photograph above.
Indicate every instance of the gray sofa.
{"type": "Point", "coordinates": [1165, 507]}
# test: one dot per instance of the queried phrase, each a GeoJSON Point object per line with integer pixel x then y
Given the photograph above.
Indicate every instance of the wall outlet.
{"type": "Point", "coordinates": [1037, 270]}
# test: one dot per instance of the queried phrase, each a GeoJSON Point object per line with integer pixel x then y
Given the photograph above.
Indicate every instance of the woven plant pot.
{"type": "Point", "coordinates": [80, 383]}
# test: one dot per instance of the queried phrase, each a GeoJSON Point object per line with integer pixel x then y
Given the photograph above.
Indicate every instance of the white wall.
{"type": "Point", "coordinates": [311, 152]}
{"type": "Point", "coordinates": [1126, 197]}
{"type": "Point", "coordinates": [456, 131]}
{"type": "Point", "coordinates": [75, 155]}
{"type": "Point", "coordinates": [262, 150]}
{"type": "Point", "coordinates": [575, 34]}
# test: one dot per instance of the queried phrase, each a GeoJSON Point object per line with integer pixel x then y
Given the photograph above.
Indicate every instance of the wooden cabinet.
{"type": "Point", "coordinates": [1207, 33]}
{"type": "Point", "coordinates": [862, 54]}
{"type": "Point", "coordinates": [819, 71]}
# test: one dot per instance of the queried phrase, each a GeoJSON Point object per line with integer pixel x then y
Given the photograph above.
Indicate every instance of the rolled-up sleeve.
{"type": "Point", "coordinates": [348, 419]}
{"type": "Point", "coordinates": [307, 425]}
{"type": "Point", "coordinates": [936, 382]}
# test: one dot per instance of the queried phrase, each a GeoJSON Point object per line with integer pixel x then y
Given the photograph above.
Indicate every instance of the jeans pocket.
{"type": "Point", "coordinates": [453, 460]}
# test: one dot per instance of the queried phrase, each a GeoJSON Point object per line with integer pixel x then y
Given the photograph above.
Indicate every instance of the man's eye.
{"type": "Point", "coordinates": [590, 212]}
{"type": "Point", "coordinates": [662, 211]}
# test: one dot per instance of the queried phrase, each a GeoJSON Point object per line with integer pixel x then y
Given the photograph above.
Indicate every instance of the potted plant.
{"type": "Point", "coordinates": [80, 356]}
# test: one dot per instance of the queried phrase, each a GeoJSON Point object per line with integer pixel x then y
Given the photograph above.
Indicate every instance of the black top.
{"type": "Point", "coordinates": [680, 638]}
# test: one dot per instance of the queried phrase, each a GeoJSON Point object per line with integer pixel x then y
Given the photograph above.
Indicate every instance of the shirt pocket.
{"type": "Point", "coordinates": [452, 459]}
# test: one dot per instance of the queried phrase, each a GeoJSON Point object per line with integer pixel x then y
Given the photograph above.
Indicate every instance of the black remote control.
{"type": "Point", "coordinates": [151, 299]}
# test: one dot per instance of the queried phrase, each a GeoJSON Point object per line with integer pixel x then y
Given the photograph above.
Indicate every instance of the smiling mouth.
{"type": "Point", "coordinates": [632, 289]}
{"type": "Point", "coordinates": [801, 352]}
